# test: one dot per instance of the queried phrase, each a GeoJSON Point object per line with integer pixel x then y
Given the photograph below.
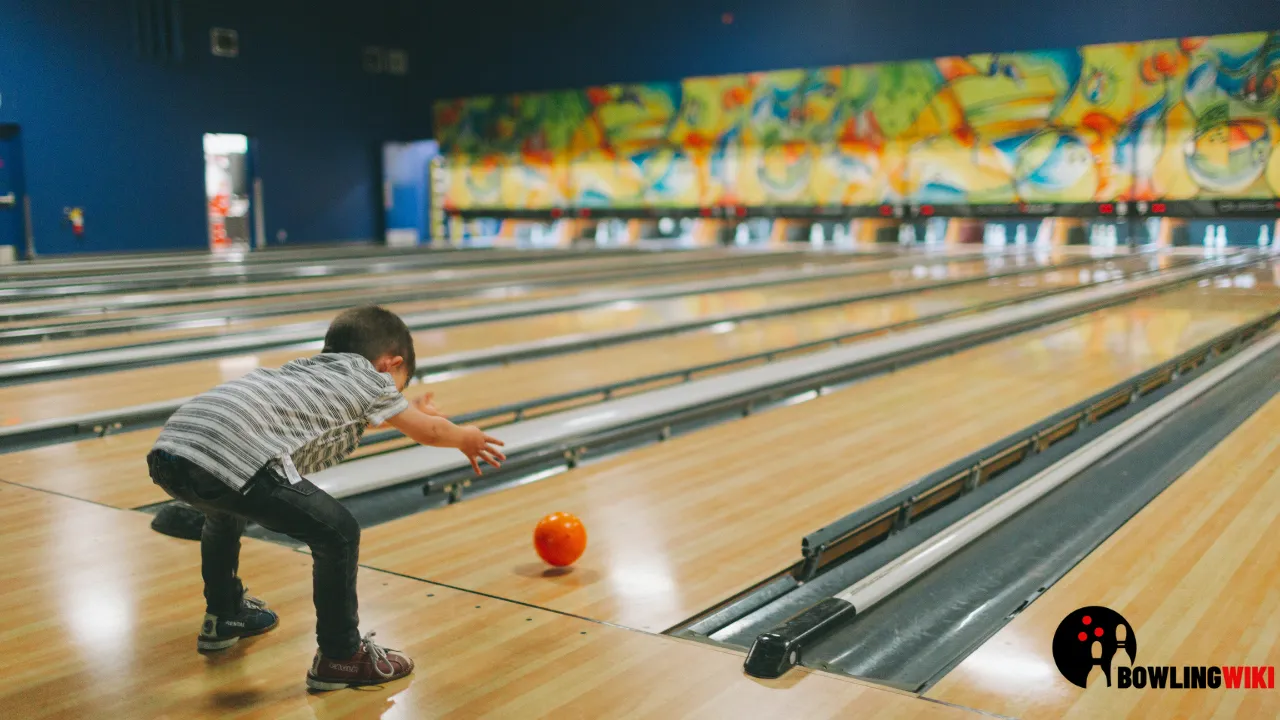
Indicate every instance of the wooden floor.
{"type": "Point", "coordinates": [111, 470]}
{"type": "Point", "coordinates": [62, 398]}
{"type": "Point", "coordinates": [98, 617]}
{"type": "Point", "coordinates": [1195, 571]}
{"type": "Point", "coordinates": [675, 528]}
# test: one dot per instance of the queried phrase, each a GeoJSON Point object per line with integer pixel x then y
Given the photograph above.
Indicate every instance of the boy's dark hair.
{"type": "Point", "coordinates": [371, 332]}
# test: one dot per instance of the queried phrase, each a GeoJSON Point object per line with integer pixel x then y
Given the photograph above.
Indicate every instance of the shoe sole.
{"type": "Point", "coordinates": [323, 686]}
{"type": "Point", "coordinates": [317, 684]}
{"type": "Point", "coordinates": [212, 645]}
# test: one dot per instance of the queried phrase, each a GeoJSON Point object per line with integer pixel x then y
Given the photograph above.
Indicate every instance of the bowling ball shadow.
{"type": "Point", "coordinates": [541, 570]}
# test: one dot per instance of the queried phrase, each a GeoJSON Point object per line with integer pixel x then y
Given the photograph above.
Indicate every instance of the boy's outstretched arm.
{"type": "Point", "coordinates": [436, 431]}
{"type": "Point", "coordinates": [422, 403]}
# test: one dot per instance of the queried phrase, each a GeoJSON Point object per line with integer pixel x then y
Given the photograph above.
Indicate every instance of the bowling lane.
{"type": "Point", "coordinates": [82, 583]}
{"type": "Point", "coordinates": [1195, 572]}
{"type": "Point", "coordinates": [679, 526]}
{"type": "Point", "coordinates": [111, 470]}
{"type": "Point", "coordinates": [142, 302]}
{"type": "Point", "coordinates": [331, 270]}
{"type": "Point", "coordinates": [493, 297]}
{"type": "Point", "coordinates": [88, 393]}
{"type": "Point", "coordinates": [557, 375]}
{"type": "Point", "coordinates": [247, 297]}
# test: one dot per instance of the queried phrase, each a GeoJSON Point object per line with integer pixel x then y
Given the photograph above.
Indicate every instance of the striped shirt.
{"type": "Point", "coordinates": [302, 417]}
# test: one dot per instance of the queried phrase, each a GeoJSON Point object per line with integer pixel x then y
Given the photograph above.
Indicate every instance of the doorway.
{"type": "Point", "coordinates": [406, 191]}
{"type": "Point", "coordinates": [229, 186]}
{"type": "Point", "coordinates": [13, 226]}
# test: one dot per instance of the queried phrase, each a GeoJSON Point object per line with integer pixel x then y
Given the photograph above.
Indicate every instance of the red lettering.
{"type": "Point", "coordinates": [1231, 677]}
{"type": "Point", "coordinates": [1271, 677]}
{"type": "Point", "coordinates": [1257, 677]}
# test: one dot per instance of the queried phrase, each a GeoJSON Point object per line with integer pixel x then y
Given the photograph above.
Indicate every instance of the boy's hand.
{"type": "Point", "coordinates": [477, 446]}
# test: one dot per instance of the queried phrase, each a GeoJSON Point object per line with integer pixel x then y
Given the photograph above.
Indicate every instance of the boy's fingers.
{"type": "Point", "coordinates": [475, 465]}
{"type": "Point", "coordinates": [493, 440]}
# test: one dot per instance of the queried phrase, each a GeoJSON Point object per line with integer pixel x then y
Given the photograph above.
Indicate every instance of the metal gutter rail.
{"type": "Point", "coordinates": [777, 650]}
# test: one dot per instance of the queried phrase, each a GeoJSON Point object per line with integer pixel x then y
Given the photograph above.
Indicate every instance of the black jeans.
{"type": "Point", "coordinates": [304, 512]}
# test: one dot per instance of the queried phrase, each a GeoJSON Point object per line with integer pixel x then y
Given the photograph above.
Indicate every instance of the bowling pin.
{"type": "Point", "coordinates": [1020, 235]}
{"type": "Point", "coordinates": [1263, 240]}
{"type": "Point", "coordinates": [1095, 652]}
{"type": "Point", "coordinates": [1095, 655]}
{"type": "Point", "coordinates": [1221, 239]}
{"type": "Point", "coordinates": [1209, 240]}
{"type": "Point", "coordinates": [741, 236]}
{"type": "Point", "coordinates": [840, 236]}
{"type": "Point", "coordinates": [817, 236]}
{"type": "Point", "coordinates": [1122, 641]}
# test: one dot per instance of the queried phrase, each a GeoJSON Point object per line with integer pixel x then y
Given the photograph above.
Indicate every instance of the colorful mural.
{"type": "Point", "coordinates": [1168, 119]}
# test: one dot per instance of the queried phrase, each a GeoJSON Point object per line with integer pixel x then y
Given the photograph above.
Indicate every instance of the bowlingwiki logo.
{"type": "Point", "coordinates": [1099, 637]}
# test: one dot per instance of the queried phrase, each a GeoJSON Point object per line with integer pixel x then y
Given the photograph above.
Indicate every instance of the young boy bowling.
{"type": "Point", "coordinates": [240, 452]}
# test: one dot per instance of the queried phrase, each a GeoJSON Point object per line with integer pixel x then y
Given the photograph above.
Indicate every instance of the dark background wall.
{"type": "Point", "coordinates": [119, 134]}
{"type": "Point", "coordinates": [552, 44]}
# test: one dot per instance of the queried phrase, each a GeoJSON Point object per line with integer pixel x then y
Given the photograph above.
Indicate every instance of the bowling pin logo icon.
{"type": "Point", "coordinates": [1088, 640]}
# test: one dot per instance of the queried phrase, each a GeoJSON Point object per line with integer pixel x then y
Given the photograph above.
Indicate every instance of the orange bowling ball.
{"type": "Point", "coordinates": [560, 539]}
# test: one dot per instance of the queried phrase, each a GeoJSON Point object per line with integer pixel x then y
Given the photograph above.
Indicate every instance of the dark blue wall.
{"type": "Point", "coordinates": [120, 136]}
{"type": "Point", "coordinates": [552, 44]}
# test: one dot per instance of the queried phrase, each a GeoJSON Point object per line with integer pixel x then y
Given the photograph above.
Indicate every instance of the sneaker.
{"type": "Point", "coordinates": [221, 633]}
{"type": "Point", "coordinates": [371, 665]}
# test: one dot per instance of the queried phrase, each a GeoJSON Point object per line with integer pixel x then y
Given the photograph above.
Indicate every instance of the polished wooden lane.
{"type": "Point", "coordinates": [111, 470]}
{"type": "Point", "coordinates": [1195, 572]}
{"type": "Point", "coordinates": [75, 395]}
{"type": "Point", "coordinates": [515, 292]}
{"type": "Point", "coordinates": [406, 279]}
{"type": "Point", "coordinates": [492, 387]}
{"type": "Point", "coordinates": [231, 299]}
{"type": "Point", "coordinates": [98, 616]}
{"type": "Point", "coordinates": [247, 295]}
{"type": "Point", "coordinates": [674, 528]}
